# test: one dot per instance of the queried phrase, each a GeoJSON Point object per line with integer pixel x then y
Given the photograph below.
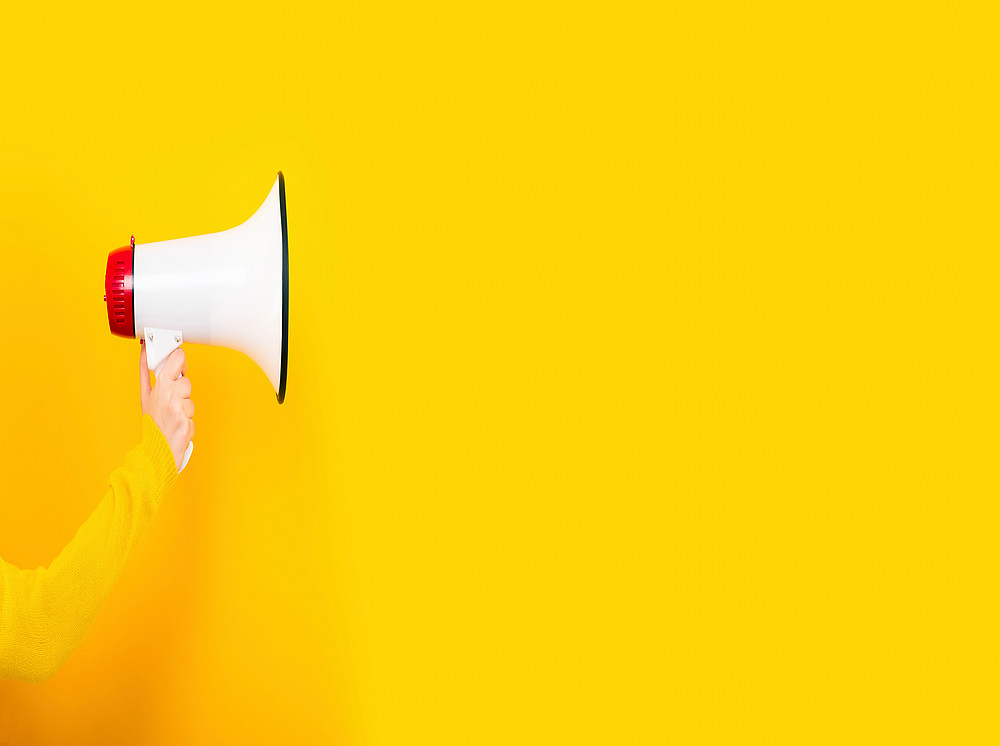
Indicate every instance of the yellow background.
{"type": "Point", "coordinates": [642, 381]}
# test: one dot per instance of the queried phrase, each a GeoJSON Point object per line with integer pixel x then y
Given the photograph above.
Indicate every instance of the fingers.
{"type": "Point", "coordinates": [174, 366]}
{"type": "Point", "coordinates": [183, 387]}
{"type": "Point", "coordinates": [144, 386]}
{"type": "Point", "coordinates": [187, 408]}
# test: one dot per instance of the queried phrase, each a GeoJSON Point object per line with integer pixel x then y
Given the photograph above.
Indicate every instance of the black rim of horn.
{"type": "Point", "coordinates": [284, 288]}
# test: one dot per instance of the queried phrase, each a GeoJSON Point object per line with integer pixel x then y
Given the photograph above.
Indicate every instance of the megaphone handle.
{"type": "Point", "coordinates": [159, 344]}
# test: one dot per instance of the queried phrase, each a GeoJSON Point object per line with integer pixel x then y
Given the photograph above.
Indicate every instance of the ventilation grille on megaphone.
{"type": "Point", "coordinates": [118, 292]}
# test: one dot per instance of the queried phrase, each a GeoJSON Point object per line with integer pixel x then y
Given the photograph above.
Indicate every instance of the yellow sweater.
{"type": "Point", "coordinates": [45, 613]}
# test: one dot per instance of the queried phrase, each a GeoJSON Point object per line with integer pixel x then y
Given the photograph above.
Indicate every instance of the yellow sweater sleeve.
{"type": "Point", "coordinates": [45, 613]}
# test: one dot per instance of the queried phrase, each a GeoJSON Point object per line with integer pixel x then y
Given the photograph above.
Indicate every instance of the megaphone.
{"type": "Point", "coordinates": [228, 289]}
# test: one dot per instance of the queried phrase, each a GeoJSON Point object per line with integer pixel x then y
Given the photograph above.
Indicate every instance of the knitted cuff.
{"type": "Point", "coordinates": [155, 452]}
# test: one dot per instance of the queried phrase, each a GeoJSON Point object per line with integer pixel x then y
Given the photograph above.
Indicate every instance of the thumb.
{"type": "Point", "coordinates": [144, 386]}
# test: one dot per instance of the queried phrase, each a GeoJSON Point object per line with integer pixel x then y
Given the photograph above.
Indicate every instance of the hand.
{"type": "Point", "coordinates": [169, 401]}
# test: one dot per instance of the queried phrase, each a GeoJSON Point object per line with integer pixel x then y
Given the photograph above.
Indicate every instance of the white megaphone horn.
{"type": "Point", "coordinates": [228, 289]}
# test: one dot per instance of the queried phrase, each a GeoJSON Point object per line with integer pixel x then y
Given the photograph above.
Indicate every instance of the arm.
{"type": "Point", "coordinates": [45, 613]}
